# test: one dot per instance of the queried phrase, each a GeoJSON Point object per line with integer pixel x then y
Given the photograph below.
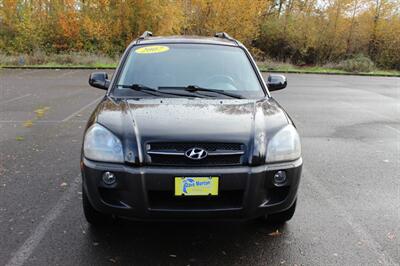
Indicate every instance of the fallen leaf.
{"type": "Point", "coordinates": [28, 123]}
{"type": "Point", "coordinates": [19, 138]}
{"type": "Point", "coordinates": [275, 233]}
{"type": "Point", "coordinates": [40, 112]}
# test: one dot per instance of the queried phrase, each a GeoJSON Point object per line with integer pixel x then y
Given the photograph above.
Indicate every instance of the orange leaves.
{"type": "Point", "coordinates": [304, 32]}
{"type": "Point", "coordinates": [69, 25]}
{"type": "Point", "coordinates": [238, 17]}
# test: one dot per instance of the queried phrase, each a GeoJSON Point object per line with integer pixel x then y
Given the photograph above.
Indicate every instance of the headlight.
{"type": "Point", "coordinates": [284, 145]}
{"type": "Point", "coordinates": [102, 145]}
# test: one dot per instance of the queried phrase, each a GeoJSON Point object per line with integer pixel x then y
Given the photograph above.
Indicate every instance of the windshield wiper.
{"type": "Point", "coordinates": [151, 91]}
{"type": "Point", "coordinates": [139, 87]}
{"type": "Point", "coordinates": [195, 88]}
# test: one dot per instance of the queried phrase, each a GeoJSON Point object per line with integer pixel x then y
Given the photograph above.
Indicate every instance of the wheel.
{"type": "Point", "coordinates": [281, 217]}
{"type": "Point", "coordinates": [92, 216]}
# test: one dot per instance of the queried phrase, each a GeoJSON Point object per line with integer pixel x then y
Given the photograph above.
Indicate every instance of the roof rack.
{"type": "Point", "coordinates": [145, 35]}
{"type": "Point", "coordinates": [224, 35]}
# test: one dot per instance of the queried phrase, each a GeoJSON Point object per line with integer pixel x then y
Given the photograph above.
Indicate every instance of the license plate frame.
{"type": "Point", "coordinates": [196, 186]}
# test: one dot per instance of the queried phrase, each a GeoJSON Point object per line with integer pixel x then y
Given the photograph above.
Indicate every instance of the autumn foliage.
{"type": "Point", "coordinates": [297, 31]}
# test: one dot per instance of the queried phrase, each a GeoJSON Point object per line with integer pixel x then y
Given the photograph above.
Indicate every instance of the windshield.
{"type": "Point", "coordinates": [177, 66]}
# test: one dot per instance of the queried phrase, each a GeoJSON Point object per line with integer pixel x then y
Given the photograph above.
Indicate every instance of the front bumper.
{"type": "Point", "coordinates": [147, 193]}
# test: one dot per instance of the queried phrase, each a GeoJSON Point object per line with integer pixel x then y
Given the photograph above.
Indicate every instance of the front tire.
{"type": "Point", "coordinates": [92, 216]}
{"type": "Point", "coordinates": [281, 217]}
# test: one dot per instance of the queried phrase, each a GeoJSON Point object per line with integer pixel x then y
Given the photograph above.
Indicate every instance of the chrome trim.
{"type": "Point", "coordinates": [166, 153]}
{"type": "Point", "coordinates": [196, 153]}
{"type": "Point", "coordinates": [226, 152]}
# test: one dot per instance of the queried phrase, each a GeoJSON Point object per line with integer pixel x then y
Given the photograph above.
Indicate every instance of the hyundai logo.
{"type": "Point", "coordinates": [196, 153]}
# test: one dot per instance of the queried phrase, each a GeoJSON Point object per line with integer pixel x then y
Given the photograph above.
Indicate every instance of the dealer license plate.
{"type": "Point", "coordinates": [196, 186]}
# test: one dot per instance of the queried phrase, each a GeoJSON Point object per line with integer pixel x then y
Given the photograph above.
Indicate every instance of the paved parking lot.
{"type": "Point", "coordinates": [349, 200]}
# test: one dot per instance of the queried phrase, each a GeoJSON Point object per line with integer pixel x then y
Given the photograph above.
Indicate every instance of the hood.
{"type": "Point", "coordinates": [143, 121]}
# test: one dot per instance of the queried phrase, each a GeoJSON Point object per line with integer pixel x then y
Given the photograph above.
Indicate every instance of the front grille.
{"type": "Point", "coordinates": [173, 153]}
{"type": "Point", "coordinates": [182, 160]}
{"type": "Point", "coordinates": [184, 146]}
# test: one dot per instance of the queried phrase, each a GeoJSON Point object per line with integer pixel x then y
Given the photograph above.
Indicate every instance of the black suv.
{"type": "Point", "coordinates": [188, 130]}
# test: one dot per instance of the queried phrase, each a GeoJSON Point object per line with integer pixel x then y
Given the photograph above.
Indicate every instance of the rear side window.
{"type": "Point", "coordinates": [179, 65]}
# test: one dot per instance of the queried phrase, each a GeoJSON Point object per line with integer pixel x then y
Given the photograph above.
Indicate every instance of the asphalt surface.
{"type": "Point", "coordinates": [348, 209]}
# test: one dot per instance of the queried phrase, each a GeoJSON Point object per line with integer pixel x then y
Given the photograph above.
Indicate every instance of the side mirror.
{"type": "Point", "coordinates": [276, 82]}
{"type": "Point", "coordinates": [99, 80]}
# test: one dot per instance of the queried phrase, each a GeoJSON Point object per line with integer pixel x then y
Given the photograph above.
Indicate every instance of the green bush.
{"type": "Point", "coordinates": [359, 63]}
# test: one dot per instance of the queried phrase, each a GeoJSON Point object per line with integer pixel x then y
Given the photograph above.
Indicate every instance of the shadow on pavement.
{"type": "Point", "coordinates": [189, 243]}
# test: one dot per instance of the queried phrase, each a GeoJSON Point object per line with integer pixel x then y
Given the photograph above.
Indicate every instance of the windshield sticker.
{"type": "Point", "coordinates": [155, 49]}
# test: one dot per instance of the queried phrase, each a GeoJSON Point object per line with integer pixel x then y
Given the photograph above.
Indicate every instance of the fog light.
{"type": "Point", "coordinates": [280, 178]}
{"type": "Point", "coordinates": [109, 178]}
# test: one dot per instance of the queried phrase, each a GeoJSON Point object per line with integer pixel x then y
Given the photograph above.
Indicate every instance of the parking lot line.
{"type": "Point", "coordinates": [357, 228]}
{"type": "Point", "coordinates": [15, 99]}
{"type": "Point", "coordinates": [25, 251]}
{"type": "Point", "coordinates": [393, 128]}
{"type": "Point", "coordinates": [81, 110]}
